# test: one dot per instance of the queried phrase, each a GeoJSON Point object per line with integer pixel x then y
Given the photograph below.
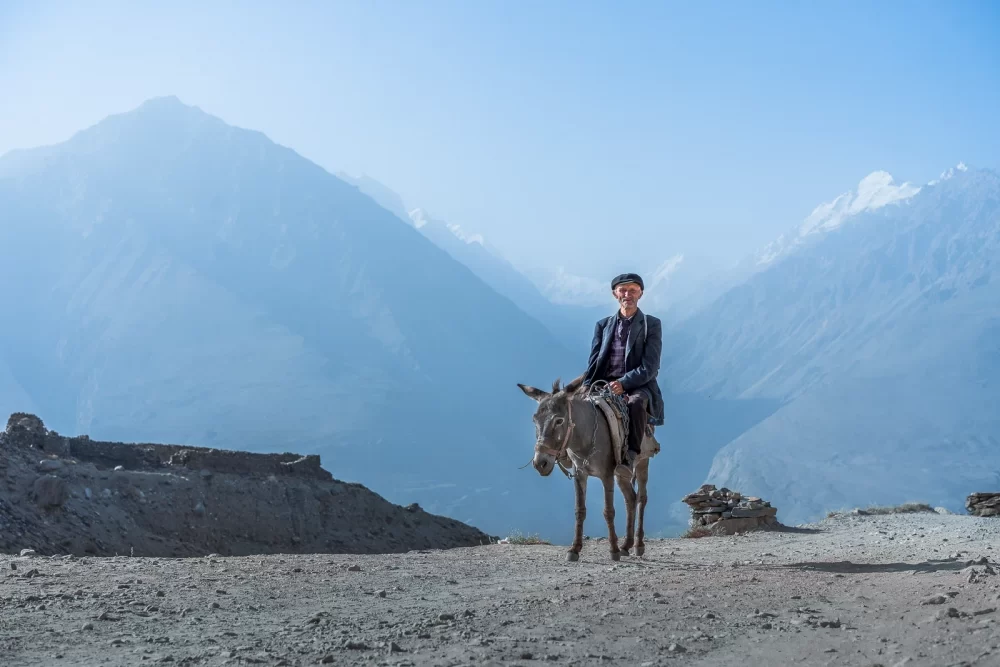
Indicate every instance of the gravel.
{"type": "Point", "coordinates": [847, 591]}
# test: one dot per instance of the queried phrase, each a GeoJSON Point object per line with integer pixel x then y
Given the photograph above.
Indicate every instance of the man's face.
{"type": "Point", "coordinates": [628, 295]}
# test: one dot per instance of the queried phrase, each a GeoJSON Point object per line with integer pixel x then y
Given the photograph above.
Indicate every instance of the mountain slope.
{"type": "Point", "coordinates": [180, 280]}
{"type": "Point", "coordinates": [880, 338]}
{"type": "Point", "coordinates": [570, 323]}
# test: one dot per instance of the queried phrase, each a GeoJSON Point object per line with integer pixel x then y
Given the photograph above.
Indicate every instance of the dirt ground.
{"type": "Point", "coordinates": [855, 590]}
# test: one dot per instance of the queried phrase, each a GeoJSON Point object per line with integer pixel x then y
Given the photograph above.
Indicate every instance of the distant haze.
{"type": "Point", "coordinates": [592, 138]}
{"type": "Point", "coordinates": [352, 229]}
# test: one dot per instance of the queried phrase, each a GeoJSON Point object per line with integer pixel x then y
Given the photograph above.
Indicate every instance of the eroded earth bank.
{"type": "Point", "coordinates": [916, 589]}
{"type": "Point", "coordinates": [74, 495]}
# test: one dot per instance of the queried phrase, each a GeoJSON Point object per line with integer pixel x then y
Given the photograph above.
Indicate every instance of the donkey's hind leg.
{"type": "Point", "coordinates": [628, 493]}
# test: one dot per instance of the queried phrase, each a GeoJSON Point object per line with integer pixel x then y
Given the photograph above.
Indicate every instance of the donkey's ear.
{"type": "Point", "coordinates": [575, 385]}
{"type": "Point", "coordinates": [536, 394]}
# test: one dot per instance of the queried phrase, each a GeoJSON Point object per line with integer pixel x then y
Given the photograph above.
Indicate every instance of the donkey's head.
{"type": "Point", "coordinates": [553, 423]}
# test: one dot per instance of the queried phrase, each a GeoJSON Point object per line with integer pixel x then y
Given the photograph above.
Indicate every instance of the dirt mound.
{"type": "Point", "coordinates": [61, 495]}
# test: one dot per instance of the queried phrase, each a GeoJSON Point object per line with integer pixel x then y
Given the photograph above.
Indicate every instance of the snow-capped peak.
{"type": "Point", "coordinates": [950, 173]}
{"type": "Point", "coordinates": [421, 218]}
{"type": "Point", "coordinates": [668, 268]}
{"type": "Point", "coordinates": [875, 190]}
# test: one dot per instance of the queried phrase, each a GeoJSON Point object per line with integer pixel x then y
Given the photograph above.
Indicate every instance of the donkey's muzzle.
{"type": "Point", "coordinates": [544, 463]}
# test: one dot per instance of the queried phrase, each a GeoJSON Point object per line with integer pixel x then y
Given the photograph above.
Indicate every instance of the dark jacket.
{"type": "Point", "coordinates": [642, 358]}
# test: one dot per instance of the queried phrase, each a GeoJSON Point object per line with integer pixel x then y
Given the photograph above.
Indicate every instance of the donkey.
{"type": "Point", "coordinates": [571, 430]}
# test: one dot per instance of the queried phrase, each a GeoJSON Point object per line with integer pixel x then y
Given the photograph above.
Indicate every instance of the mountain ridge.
{"type": "Point", "coordinates": [182, 280]}
{"type": "Point", "coordinates": [856, 335]}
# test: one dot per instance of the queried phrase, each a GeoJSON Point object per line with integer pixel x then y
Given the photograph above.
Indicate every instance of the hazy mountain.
{"type": "Point", "coordinates": [571, 323]}
{"type": "Point", "coordinates": [876, 326]}
{"type": "Point", "coordinates": [383, 196]}
{"type": "Point", "coordinates": [171, 278]}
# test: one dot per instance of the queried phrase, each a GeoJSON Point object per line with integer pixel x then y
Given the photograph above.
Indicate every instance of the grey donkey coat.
{"type": "Point", "coordinates": [642, 358]}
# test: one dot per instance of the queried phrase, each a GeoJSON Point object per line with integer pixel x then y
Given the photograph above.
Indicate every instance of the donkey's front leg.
{"type": "Point", "coordinates": [629, 494]}
{"type": "Point", "coordinates": [580, 484]}
{"type": "Point", "coordinates": [642, 476]}
{"type": "Point", "coordinates": [609, 515]}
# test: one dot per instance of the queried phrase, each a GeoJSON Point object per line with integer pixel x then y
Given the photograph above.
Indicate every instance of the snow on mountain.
{"type": "Point", "coordinates": [879, 340]}
{"type": "Point", "coordinates": [875, 191]}
{"type": "Point", "coordinates": [564, 288]}
{"type": "Point", "coordinates": [959, 168]}
{"type": "Point", "coordinates": [664, 272]}
{"type": "Point", "coordinates": [421, 219]}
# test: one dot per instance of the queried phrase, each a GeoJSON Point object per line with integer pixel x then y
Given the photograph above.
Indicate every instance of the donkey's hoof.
{"type": "Point", "coordinates": [624, 551]}
{"type": "Point", "coordinates": [616, 555]}
{"type": "Point", "coordinates": [572, 556]}
{"type": "Point", "coordinates": [640, 551]}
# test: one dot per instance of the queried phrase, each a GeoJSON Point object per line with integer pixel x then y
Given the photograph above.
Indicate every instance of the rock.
{"type": "Point", "coordinates": [676, 648]}
{"type": "Point", "coordinates": [50, 491]}
{"type": "Point", "coordinates": [741, 513]}
{"type": "Point", "coordinates": [354, 568]}
{"type": "Point", "coordinates": [395, 648]}
{"type": "Point", "coordinates": [50, 465]}
{"type": "Point", "coordinates": [26, 552]}
{"type": "Point", "coordinates": [729, 512]}
{"type": "Point", "coordinates": [381, 593]}
{"type": "Point", "coordinates": [446, 617]}
{"type": "Point", "coordinates": [937, 599]}
{"type": "Point", "coordinates": [983, 504]}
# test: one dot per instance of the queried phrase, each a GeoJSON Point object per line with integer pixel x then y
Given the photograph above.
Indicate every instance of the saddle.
{"type": "Point", "coordinates": [616, 415]}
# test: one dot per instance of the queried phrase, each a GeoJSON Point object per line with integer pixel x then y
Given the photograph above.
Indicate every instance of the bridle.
{"type": "Point", "coordinates": [558, 453]}
{"type": "Point", "coordinates": [596, 388]}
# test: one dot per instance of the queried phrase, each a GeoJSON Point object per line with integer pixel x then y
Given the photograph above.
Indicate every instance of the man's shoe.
{"type": "Point", "coordinates": [630, 458]}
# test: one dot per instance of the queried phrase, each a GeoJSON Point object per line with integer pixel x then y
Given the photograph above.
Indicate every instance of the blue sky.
{"type": "Point", "coordinates": [570, 134]}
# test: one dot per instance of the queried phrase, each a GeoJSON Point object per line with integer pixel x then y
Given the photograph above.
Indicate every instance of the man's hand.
{"type": "Point", "coordinates": [617, 388]}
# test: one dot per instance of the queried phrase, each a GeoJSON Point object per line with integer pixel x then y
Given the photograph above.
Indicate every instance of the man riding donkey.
{"type": "Point", "coordinates": [580, 425]}
{"type": "Point", "coordinates": [625, 353]}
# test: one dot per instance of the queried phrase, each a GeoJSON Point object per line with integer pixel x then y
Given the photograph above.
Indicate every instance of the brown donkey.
{"type": "Point", "coordinates": [570, 430]}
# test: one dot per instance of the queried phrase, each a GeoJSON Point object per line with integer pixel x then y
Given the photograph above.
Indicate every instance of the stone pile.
{"type": "Point", "coordinates": [726, 512]}
{"type": "Point", "coordinates": [983, 504]}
